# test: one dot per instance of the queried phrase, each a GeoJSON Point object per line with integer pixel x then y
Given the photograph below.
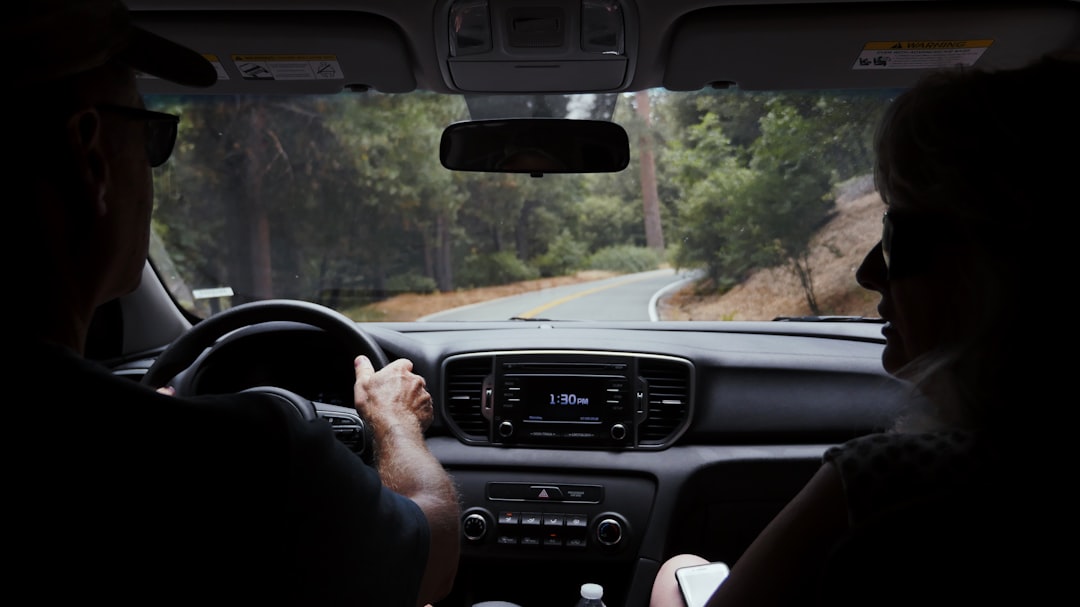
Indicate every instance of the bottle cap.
{"type": "Point", "coordinates": [592, 591]}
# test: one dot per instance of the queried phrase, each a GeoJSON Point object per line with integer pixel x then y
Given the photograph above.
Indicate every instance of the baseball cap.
{"type": "Point", "coordinates": [59, 38]}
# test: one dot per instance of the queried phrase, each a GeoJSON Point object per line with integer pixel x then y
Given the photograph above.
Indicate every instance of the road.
{"type": "Point", "coordinates": [625, 297]}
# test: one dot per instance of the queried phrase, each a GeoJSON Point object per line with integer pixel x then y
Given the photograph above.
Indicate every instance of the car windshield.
{"type": "Point", "coordinates": [736, 205]}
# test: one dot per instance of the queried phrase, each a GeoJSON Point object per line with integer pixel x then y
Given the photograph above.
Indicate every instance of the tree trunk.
{"type": "Point", "coordinates": [801, 268]}
{"type": "Point", "coordinates": [654, 231]}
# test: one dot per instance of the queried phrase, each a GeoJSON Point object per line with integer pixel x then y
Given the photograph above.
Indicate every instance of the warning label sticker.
{"type": "Point", "coordinates": [920, 54]}
{"type": "Point", "coordinates": [288, 67]}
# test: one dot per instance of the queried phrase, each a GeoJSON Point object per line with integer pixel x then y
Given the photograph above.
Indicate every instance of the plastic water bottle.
{"type": "Point", "coordinates": [591, 595]}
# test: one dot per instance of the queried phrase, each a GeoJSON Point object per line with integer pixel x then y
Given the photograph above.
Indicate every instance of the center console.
{"type": "Point", "coordinates": [530, 515]}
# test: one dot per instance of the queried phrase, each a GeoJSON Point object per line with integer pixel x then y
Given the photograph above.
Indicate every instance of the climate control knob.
{"type": "Point", "coordinates": [506, 429]}
{"type": "Point", "coordinates": [609, 531]}
{"type": "Point", "coordinates": [474, 526]}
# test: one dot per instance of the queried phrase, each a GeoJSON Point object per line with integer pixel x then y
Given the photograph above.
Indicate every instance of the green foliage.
{"type": "Point", "coordinates": [310, 195]}
{"type": "Point", "coordinates": [607, 221]}
{"type": "Point", "coordinates": [400, 194]}
{"type": "Point", "coordinates": [345, 195]}
{"type": "Point", "coordinates": [495, 269]}
{"type": "Point", "coordinates": [712, 231]}
{"type": "Point", "coordinates": [625, 259]}
{"type": "Point", "coordinates": [564, 255]}
{"type": "Point", "coordinates": [755, 175]}
{"type": "Point", "coordinates": [791, 189]}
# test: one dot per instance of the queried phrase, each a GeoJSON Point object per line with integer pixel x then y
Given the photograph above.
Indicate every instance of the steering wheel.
{"type": "Point", "coordinates": [183, 352]}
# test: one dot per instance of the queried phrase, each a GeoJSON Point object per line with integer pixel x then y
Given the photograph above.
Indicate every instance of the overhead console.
{"type": "Point", "coordinates": [554, 46]}
{"type": "Point", "coordinates": [568, 399]}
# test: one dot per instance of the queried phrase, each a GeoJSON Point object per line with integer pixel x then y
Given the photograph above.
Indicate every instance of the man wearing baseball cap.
{"type": "Point", "coordinates": [122, 493]}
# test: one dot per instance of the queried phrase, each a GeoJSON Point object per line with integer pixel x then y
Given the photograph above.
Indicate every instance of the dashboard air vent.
{"type": "Point", "coordinates": [464, 381]}
{"type": "Point", "coordinates": [669, 385]}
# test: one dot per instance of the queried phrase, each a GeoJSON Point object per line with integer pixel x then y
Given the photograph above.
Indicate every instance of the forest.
{"type": "Point", "coordinates": [342, 200]}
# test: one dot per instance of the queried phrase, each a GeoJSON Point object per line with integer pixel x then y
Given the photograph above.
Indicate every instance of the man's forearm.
{"type": "Point", "coordinates": [407, 467]}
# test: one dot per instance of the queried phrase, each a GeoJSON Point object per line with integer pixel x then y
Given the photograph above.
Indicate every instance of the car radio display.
{"type": "Point", "coordinates": [564, 398]}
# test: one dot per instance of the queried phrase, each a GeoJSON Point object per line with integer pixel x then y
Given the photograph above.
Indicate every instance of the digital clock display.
{"type": "Point", "coordinates": [563, 398]}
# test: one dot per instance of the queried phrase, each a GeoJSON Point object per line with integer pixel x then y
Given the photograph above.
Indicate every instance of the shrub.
{"type": "Point", "coordinates": [411, 283]}
{"type": "Point", "coordinates": [563, 256]}
{"type": "Point", "coordinates": [625, 259]}
{"type": "Point", "coordinates": [494, 269]}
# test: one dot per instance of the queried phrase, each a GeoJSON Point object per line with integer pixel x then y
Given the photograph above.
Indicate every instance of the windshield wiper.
{"type": "Point", "coordinates": [872, 319]}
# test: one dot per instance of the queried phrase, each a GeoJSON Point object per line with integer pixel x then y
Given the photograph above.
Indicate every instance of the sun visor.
{"type": "Point", "coordinates": [288, 52]}
{"type": "Point", "coordinates": [555, 46]}
{"type": "Point", "coordinates": [857, 46]}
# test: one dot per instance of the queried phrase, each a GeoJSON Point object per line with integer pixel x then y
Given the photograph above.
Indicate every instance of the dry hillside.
{"type": "Point", "coordinates": [836, 253]}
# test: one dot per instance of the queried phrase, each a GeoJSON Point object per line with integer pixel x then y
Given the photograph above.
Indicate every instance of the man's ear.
{"type": "Point", "coordinates": [86, 145]}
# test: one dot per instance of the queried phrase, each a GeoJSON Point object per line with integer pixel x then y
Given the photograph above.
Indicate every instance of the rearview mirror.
{"type": "Point", "coordinates": [535, 146]}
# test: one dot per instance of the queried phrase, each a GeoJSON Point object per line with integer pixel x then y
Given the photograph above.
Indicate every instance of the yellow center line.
{"type": "Point", "coordinates": [563, 300]}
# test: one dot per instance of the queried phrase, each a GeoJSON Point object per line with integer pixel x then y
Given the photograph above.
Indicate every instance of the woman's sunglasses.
{"type": "Point", "coordinates": [160, 130]}
{"type": "Point", "coordinates": [911, 241]}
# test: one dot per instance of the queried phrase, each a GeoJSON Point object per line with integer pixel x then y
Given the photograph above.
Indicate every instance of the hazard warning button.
{"type": "Point", "coordinates": [555, 492]}
{"type": "Point", "coordinates": [545, 492]}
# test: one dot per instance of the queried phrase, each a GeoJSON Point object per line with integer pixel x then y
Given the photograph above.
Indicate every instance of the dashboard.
{"type": "Point", "coordinates": [590, 452]}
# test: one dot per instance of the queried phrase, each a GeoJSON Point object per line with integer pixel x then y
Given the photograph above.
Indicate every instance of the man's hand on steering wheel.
{"type": "Point", "coordinates": [392, 397]}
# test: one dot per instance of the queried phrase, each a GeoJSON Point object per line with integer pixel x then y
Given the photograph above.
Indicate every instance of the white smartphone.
{"type": "Point", "coordinates": [698, 582]}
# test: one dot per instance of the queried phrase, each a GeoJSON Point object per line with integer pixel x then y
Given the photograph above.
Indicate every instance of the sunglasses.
{"type": "Point", "coordinates": [910, 242]}
{"type": "Point", "coordinates": [160, 134]}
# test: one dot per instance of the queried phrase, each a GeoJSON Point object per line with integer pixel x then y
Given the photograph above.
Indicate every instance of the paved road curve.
{"type": "Point", "coordinates": [625, 297]}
